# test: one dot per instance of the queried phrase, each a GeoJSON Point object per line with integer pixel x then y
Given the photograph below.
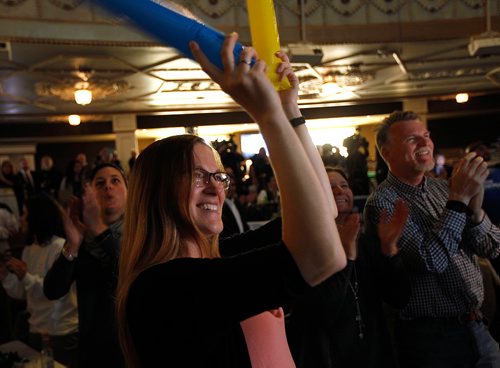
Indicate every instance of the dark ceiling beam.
{"type": "Point", "coordinates": [241, 117]}
{"type": "Point", "coordinates": [35, 130]}
{"type": "Point", "coordinates": [447, 108]}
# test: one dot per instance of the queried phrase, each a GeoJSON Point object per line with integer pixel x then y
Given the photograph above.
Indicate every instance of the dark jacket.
{"type": "Point", "coordinates": [95, 274]}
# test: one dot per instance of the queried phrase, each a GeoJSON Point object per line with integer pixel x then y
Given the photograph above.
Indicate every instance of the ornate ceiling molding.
{"type": "Point", "coordinates": [346, 8]}
{"type": "Point", "coordinates": [389, 7]}
{"type": "Point", "coordinates": [67, 4]}
{"type": "Point", "coordinates": [474, 4]}
{"type": "Point", "coordinates": [74, 42]}
{"type": "Point", "coordinates": [432, 6]}
{"type": "Point", "coordinates": [217, 8]}
{"type": "Point", "coordinates": [310, 6]}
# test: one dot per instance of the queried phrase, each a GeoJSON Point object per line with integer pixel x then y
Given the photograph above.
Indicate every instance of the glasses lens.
{"type": "Point", "coordinates": [202, 178]}
{"type": "Point", "coordinates": [222, 178]}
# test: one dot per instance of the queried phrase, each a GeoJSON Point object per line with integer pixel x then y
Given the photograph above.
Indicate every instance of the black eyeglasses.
{"type": "Point", "coordinates": [202, 178]}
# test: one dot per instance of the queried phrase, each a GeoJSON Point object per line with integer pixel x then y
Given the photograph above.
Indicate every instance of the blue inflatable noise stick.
{"type": "Point", "coordinates": [172, 28]}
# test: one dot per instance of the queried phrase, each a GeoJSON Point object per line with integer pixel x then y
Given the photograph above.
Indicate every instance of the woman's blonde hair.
{"type": "Point", "coordinates": [157, 219]}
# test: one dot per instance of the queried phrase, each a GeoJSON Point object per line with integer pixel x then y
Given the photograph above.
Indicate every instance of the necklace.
{"type": "Point", "coordinates": [355, 292]}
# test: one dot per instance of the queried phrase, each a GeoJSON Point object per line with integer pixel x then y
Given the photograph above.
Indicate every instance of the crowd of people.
{"type": "Point", "coordinates": [161, 265]}
{"type": "Point", "coordinates": [67, 272]}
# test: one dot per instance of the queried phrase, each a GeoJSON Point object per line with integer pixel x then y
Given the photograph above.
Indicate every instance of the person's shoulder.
{"type": "Point", "coordinates": [178, 267]}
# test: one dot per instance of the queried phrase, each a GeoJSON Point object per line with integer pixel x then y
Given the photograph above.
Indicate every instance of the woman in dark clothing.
{"type": "Point", "coordinates": [340, 323]}
{"type": "Point", "coordinates": [178, 301]}
{"type": "Point", "coordinates": [93, 226]}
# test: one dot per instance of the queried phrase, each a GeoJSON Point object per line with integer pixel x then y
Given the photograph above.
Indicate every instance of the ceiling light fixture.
{"type": "Point", "coordinates": [83, 96]}
{"type": "Point", "coordinates": [462, 97]}
{"type": "Point", "coordinates": [74, 120]}
{"type": "Point", "coordinates": [81, 92]}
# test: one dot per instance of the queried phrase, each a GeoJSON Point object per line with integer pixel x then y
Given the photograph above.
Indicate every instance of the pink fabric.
{"type": "Point", "coordinates": [266, 340]}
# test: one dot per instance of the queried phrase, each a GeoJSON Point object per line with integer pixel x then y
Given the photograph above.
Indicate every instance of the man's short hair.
{"type": "Point", "coordinates": [395, 117]}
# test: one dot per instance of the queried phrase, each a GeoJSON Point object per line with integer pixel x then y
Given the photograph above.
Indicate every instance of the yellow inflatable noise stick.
{"type": "Point", "coordinates": [265, 38]}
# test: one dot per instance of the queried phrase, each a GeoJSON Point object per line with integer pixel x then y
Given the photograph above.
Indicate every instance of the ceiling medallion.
{"type": "Point", "coordinates": [65, 88]}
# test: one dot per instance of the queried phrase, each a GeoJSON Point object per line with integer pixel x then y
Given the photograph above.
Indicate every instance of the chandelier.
{"type": "Point", "coordinates": [83, 95]}
{"type": "Point", "coordinates": [84, 90]}
{"type": "Point", "coordinates": [349, 76]}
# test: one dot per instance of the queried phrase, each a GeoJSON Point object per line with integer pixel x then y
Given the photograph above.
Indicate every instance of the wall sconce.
{"type": "Point", "coordinates": [83, 96]}
{"type": "Point", "coordinates": [74, 120]}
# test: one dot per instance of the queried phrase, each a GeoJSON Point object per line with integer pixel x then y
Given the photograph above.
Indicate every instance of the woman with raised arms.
{"type": "Point", "coordinates": [179, 301]}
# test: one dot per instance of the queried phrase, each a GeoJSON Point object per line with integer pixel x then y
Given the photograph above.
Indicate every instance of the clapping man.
{"type": "Point", "coordinates": [441, 325]}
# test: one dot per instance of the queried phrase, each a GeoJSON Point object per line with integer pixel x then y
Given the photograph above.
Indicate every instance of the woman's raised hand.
{"type": "Point", "coordinates": [247, 84]}
{"type": "Point", "coordinates": [289, 97]}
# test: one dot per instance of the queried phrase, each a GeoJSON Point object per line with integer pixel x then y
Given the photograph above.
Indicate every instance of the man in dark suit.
{"type": "Point", "coordinates": [25, 183]}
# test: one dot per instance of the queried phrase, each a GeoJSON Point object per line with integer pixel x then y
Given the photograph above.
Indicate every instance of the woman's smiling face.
{"type": "Point", "coordinates": [205, 202]}
{"type": "Point", "coordinates": [341, 191]}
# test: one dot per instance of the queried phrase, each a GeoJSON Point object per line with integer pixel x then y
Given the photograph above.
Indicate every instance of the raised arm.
{"type": "Point", "coordinates": [308, 229]}
{"type": "Point", "coordinates": [289, 102]}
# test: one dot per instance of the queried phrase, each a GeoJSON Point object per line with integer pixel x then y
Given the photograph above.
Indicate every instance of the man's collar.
{"type": "Point", "coordinates": [405, 187]}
